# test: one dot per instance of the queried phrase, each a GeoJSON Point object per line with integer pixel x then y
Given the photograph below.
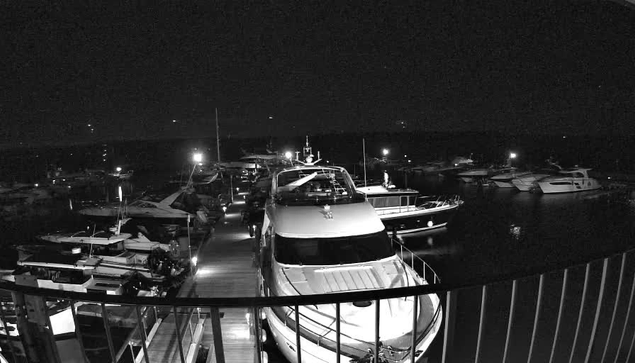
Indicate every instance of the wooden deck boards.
{"type": "Point", "coordinates": [225, 261]}
{"type": "Point", "coordinates": [225, 269]}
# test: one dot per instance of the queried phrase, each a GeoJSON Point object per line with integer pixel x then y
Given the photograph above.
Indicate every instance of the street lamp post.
{"type": "Point", "coordinates": [197, 158]}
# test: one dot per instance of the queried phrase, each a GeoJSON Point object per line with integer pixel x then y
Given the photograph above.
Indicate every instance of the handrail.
{"type": "Point", "coordinates": [435, 278]}
{"type": "Point", "coordinates": [330, 298]}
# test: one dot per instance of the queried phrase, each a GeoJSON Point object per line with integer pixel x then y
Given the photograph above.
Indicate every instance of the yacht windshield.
{"type": "Point", "coordinates": [315, 185]}
{"type": "Point", "coordinates": [332, 251]}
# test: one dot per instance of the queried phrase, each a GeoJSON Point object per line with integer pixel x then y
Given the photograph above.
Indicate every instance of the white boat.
{"type": "Point", "coordinates": [473, 175]}
{"type": "Point", "coordinates": [526, 183]}
{"type": "Point", "coordinates": [321, 236]}
{"type": "Point", "coordinates": [406, 211]}
{"type": "Point", "coordinates": [120, 254]}
{"type": "Point", "coordinates": [569, 181]}
{"type": "Point", "coordinates": [64, 272]}
{"type": "Point", "coordinates": [170, 208]}
{"type": "Point", "coordinates": [504, 180]}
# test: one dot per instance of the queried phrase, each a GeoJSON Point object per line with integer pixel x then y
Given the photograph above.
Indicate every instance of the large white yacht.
{"type": "Point", "coordinates": [569, 181]}
{"type": "Point", "coordinates": [321, 236]}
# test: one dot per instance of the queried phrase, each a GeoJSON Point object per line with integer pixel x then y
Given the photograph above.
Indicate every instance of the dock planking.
{"type": "Point", "coordinates": [226, 269]}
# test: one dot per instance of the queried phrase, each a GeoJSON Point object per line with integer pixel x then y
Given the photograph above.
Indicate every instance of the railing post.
{"type": "Point", "coordinates": [377, 315]}
{"type": "Point", "coordinates": [78, 332]}
{"type": "Point", "coordinates": [142, 331]}
{"type": "Point", "coordinates": [582, 303]}
{"type": "Point", "coordinates": [338, 320]}
{"type": "Point", "coordinates": [481, 323]}
{"type": "Point", "coordinates": [104, 318]}
{"type": "Point", "coordinates": [178, 334]}
{"type": "Point", "coordinates": [31, 350]}
{"type": "Point", "coordinates": [563, 293]}
{"type": "Point", "coordinates": [628, 314]}
{"type": "Point", "coordinates": [617, 299]}
{"type": "Point", "coordinates": [297, 334]}
{"type": "Point", "coordinates": [448, 333]}
{"type": "Point", "coordinates": [541, 286]}
{"type": "Point", "coordinates": [257, 333]}
{"type": "Point", "coordinates": [413, 343]}
{"type": "Point", "coordinates": [510, 319]}
{"type": "Point", "coordinates": [6, 331]}
{"type": "Point", "coordinates": [217, 335]}
{"type": "Point", "coordinates": [597, 310]}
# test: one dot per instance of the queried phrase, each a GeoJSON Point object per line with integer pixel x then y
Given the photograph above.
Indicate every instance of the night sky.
{"type": "Point", "coordinates": [292, 67]}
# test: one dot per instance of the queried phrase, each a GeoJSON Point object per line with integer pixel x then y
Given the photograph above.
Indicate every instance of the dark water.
{"type": "Point", "coordinates": [500, 232]}
{"type": "Point", "coordinates": [497, 232]}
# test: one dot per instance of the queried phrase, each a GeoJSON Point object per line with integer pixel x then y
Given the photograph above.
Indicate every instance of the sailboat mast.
{"type": "Point", "coordinates": [217, 136]}
{"type": "Point", "coordinates": [364, 156]}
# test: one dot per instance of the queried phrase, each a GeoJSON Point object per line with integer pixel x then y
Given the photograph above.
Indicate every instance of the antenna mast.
{"type": "Point", "coordinates": [217, 136]}
{"type": "Point", "coordinates": [364, 156]}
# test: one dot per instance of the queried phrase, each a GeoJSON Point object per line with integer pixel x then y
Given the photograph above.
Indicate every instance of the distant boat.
{"type": "Point", "coordinates": [569, 181]}
{"type": "Point", "coordinates": [165, 209]}
{"type": "Point", "coordinates": [504, 180]}
{"type": "Point", "coordinates": [528, 182]}
{"type": "Point", "coordinates": [405, 211]}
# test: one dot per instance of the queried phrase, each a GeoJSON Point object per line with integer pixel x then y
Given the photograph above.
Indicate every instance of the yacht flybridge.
{"type": "Point", "coordinates": [405, 211]}
{"type": "Point", "coordinates": [320, 235]}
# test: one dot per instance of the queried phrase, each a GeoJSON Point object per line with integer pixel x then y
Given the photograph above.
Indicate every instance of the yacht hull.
{"type": "Point", "coordinates": [573, 187]}
{"type": "Point", "coordinates": [418, 221]}
{"type": "Point", "coordinates": [503, 184]}
{"type": "Point", "coordinates": [528, 183]}
{"type": "Point", "coordinates": [315, 345]}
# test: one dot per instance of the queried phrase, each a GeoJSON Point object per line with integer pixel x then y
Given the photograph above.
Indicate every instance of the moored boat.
{"type": "Point", "coordinates": [528, 182]}
{"type": "Point", "coordinates": [569, 181]}
{"type": "Point", "coordinates": [505, 179]}
{"type": "Point", "coordinates": [406, 211]}
{"type": "Point", "coordinates": [320, 236]}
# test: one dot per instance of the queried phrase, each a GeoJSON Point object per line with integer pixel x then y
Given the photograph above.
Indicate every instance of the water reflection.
{"type": "Point", "coordinates": [501, 231]}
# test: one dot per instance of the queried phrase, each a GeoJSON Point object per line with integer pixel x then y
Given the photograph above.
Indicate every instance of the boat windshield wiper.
{"type": "Point", "coordinates": [291, 186]}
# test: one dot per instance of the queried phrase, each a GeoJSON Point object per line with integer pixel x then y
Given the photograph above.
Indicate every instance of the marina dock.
{"type": "Point", "coordinates": [225, 268]}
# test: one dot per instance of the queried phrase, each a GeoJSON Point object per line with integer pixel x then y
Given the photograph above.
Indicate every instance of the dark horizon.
{"type": "Point", "coordinates": [94, 72]}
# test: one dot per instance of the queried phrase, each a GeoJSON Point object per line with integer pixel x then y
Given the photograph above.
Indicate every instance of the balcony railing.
{"type": "Point", "coordinates": [579, 314]}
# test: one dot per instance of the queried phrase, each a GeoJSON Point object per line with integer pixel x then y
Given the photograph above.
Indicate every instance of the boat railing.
{"type": "Point", "coordinates": [421, 267]}
{"type": "Point", "coordinates": [575, 313]}
{"type": "Point", "coordinates": [440, 201]}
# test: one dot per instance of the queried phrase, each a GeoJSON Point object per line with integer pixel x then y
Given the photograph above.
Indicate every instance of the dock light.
{"type": "Point", "coordinates": [37, 185]}
{"type": "Point", "coordinates": [385, 152]}
{"type": "Point", "coordinates": [430, 223]}
{"type": "Point", "coordinates": [288, 155]}
{"type": "Point", "coordinates": [197, 158]}
{"type": "Point", "coordinates": [194, 260]}
{"type": "Point", "coordinates": [118, 169]}
{"type": "Point", "coordinates": [512, 155]}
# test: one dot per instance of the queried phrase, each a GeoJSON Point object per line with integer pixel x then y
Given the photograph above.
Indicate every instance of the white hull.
{"type": "Point", "coordinates": [574, 186]}
{"type": "Point", "coordinates": [285, 339]}
{"type": "Point", "coordinates": [528, 182]}
{"type": "Point", "coordinates": [503, 184]}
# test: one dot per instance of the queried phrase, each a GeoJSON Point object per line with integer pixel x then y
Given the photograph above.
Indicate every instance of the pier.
{"type": "Point", "coordinates": [225, 268]}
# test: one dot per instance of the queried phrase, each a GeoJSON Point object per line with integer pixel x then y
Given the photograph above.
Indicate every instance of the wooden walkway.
{"type": "Point", "coordinates": [225, 268]}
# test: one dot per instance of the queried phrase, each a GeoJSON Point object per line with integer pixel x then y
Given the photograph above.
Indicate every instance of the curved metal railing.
{"type": "Point", "coordinates": [580, 313]}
